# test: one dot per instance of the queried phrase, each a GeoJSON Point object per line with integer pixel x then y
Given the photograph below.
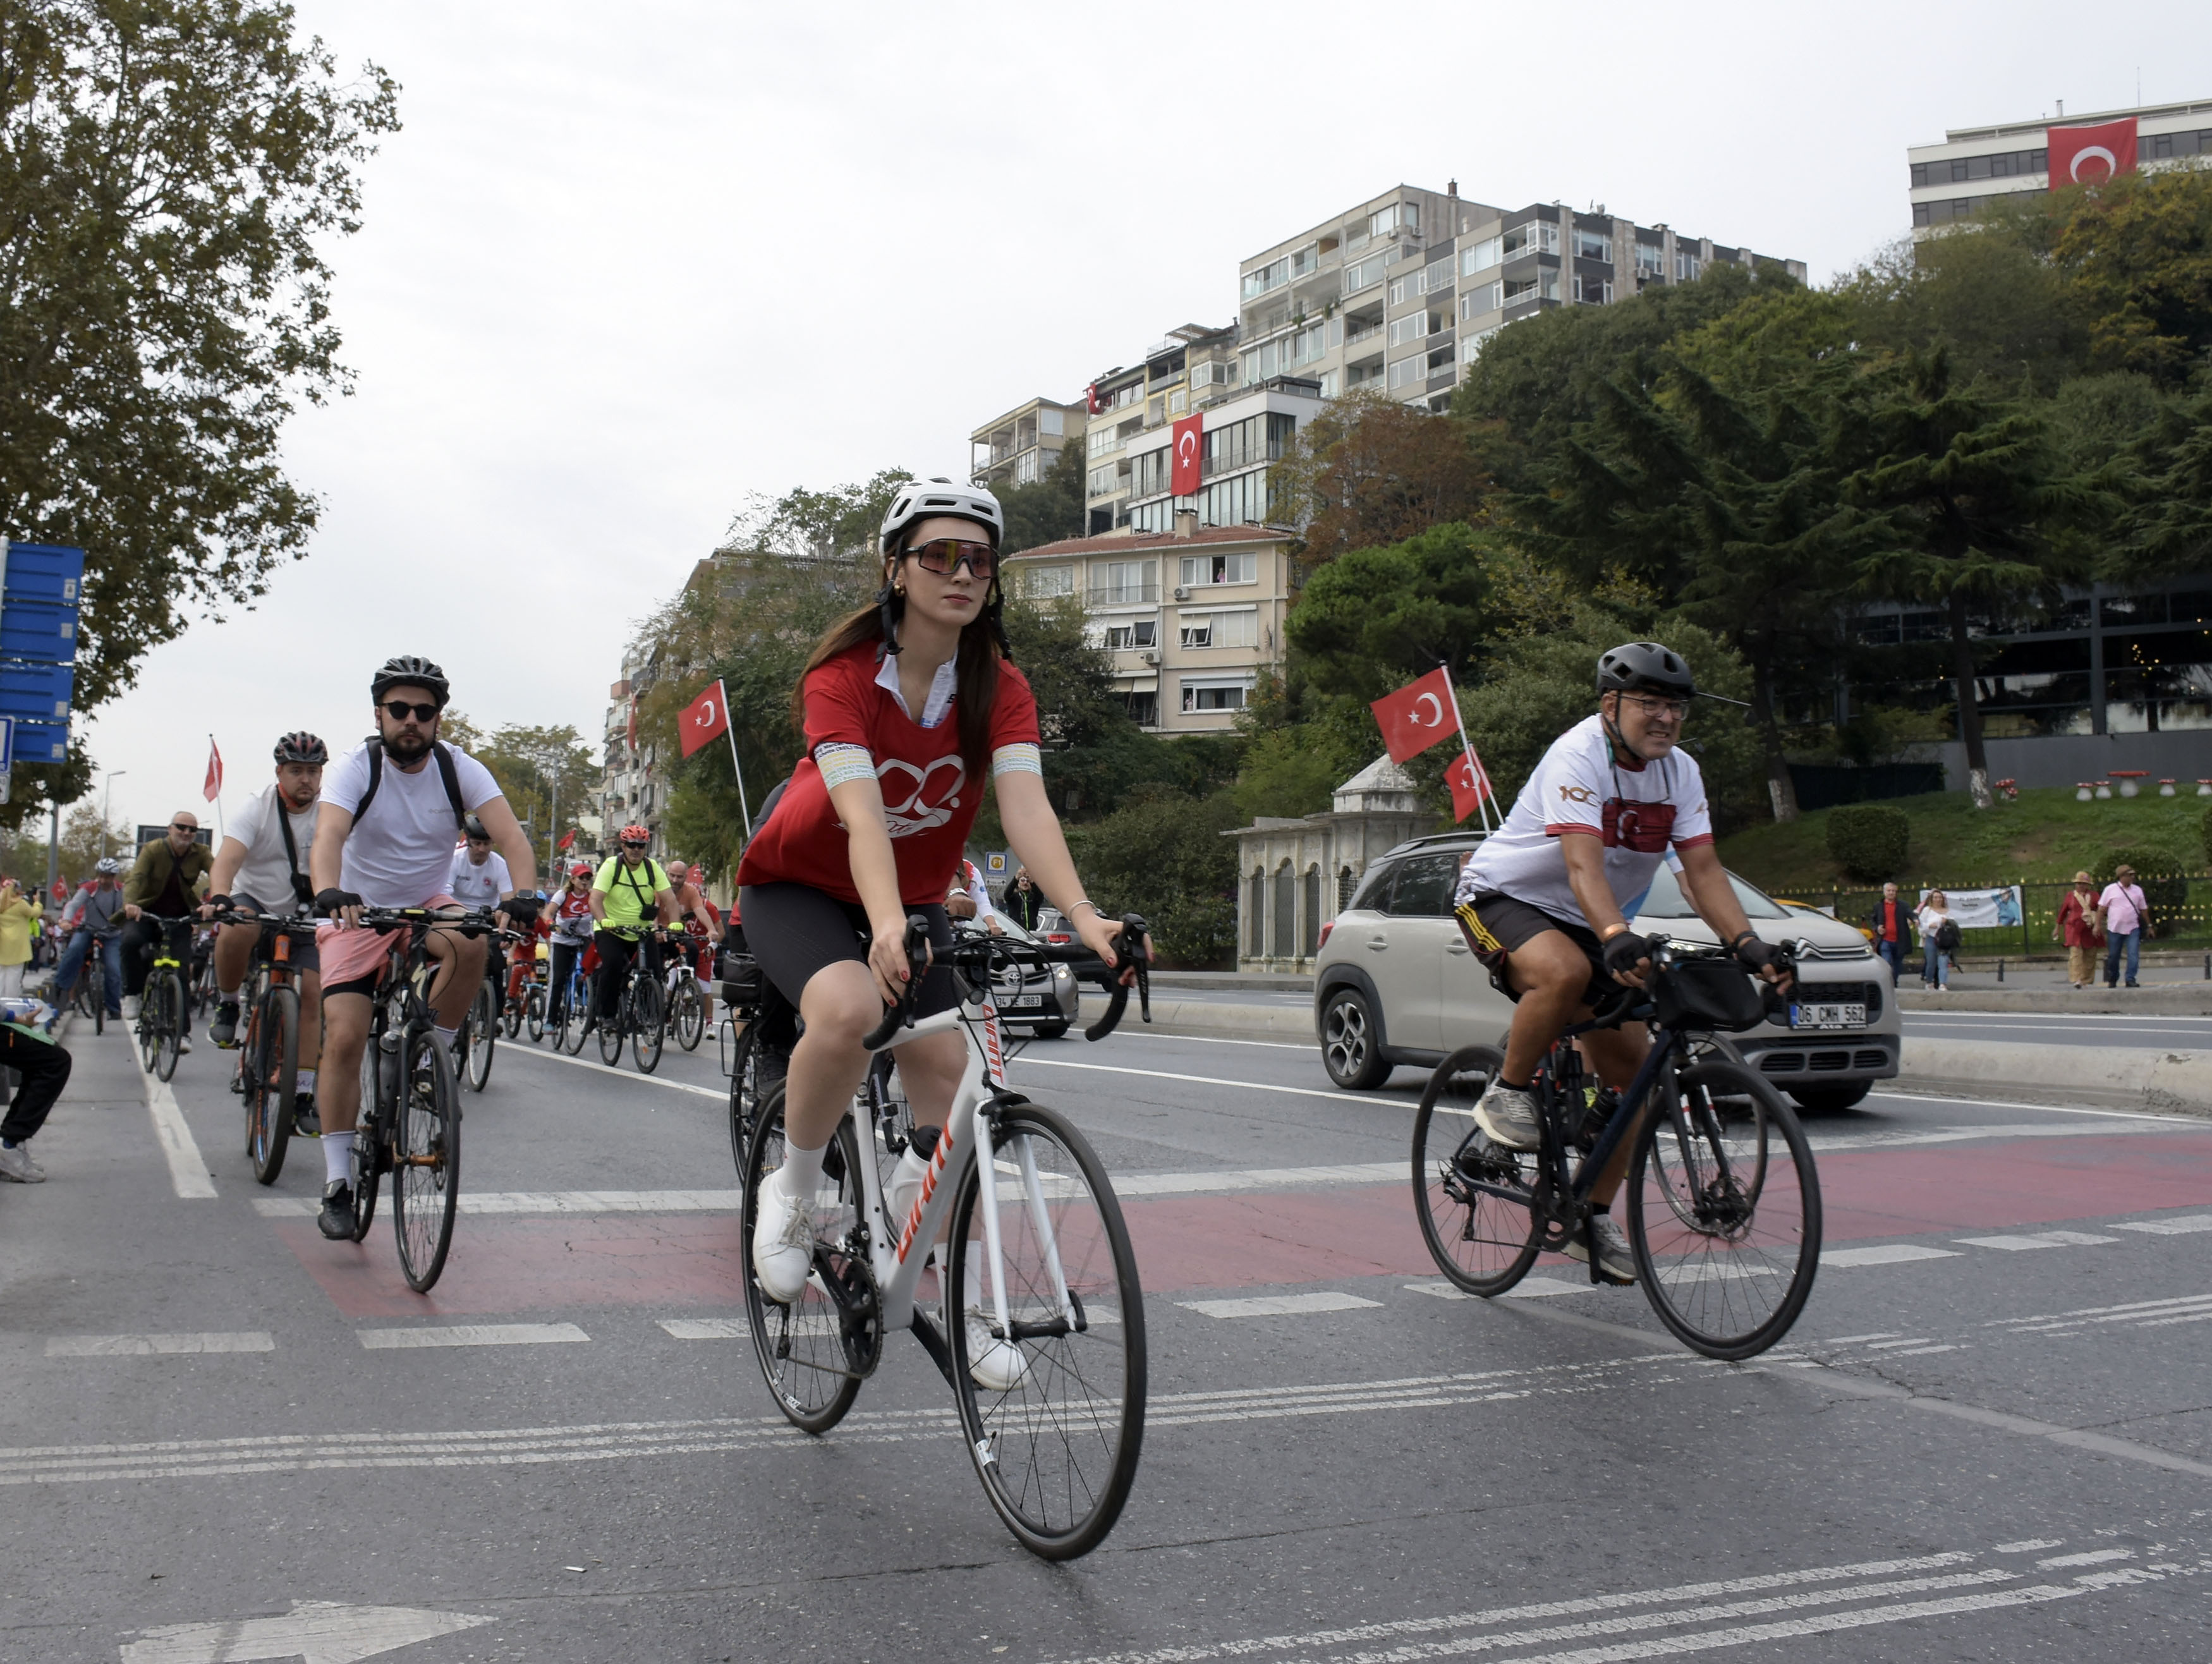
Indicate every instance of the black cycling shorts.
{"type": "Point", "coordinates": [795, 930]}
{"type": "Point", "coordinates": [1495, 924]}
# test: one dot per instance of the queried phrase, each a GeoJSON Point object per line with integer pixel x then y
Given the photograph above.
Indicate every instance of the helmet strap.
{"type": "Point", "coordinates": [890, 607]}
{"type": "Point", "coordinates": [994, 609]}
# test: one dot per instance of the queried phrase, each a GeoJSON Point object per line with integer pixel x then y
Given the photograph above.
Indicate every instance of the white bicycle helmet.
{"type": "Point", "coordinates": [918, 500]}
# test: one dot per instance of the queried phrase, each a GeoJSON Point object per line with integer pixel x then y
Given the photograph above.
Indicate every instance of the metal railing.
{"type": "Point", "coordinates": [1122, 595]}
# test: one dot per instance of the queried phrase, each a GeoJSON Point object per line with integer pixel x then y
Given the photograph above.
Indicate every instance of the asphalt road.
{"type": "Point", "coordinates": [1989, 1436]}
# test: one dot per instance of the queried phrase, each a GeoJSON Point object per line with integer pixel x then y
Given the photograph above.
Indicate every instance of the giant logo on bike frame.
{"type": "Point", "coordinates": [1645, 828]}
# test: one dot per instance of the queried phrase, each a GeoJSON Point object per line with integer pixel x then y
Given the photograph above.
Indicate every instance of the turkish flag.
{"type": "Point", "coordinates": [1189, 457]}
{"type": "Point", "coordinates": [1091, 398]}
{"type": "Point", "coordinates": [703, 719]}
{"type": "Point", "coordinates": [2090, 156]}
{"type": "Point", "coordinates": [211, 787]}
{"type": "Point", "coordinates": [1417, 716]}
{"type": "Point", "coordinates": [1470, 784]}
{"type": "Point", "coordinates": [568, 839]}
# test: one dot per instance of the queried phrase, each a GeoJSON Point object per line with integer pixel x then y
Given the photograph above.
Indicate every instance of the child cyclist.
{"type": "Point", "coordinates": [905, 705]}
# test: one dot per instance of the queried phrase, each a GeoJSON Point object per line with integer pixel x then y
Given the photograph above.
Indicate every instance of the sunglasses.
{"type": "Point", "coordinates": [178, 826]}
{"type": "Point", "coordinates": [636, 846]}
{"type": "Point", "coordinates": [946, 556]}
{"type": "Point", "coordinates": [398, 709]}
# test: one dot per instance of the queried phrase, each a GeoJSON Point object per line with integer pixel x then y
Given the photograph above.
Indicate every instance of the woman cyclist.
{"type": "Point", "coordinates": [572, 922]}
{"type": "Point", "coordinates": [905, 704]}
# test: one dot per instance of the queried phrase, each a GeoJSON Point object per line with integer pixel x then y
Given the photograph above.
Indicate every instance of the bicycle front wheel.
{"type": "Point", "coordinates": [164, 1011]}
{"type": "Point", "coordinates": [687, 1015]}
{"type": "Point", "coordinates": [273, 1075]}
{"type": "Point", "coordinates": [426, 1161]}
{"type": "Point", "coordinates": [533, 1015]}
{"type": "Point", "coordinates": [575, 1013]}
{"type": "Point", "coordinates": [1053, 1402]}
{"type": "Point", "coordinates": [1723, 1210]}
{"type": "Point", "coordinates": [805, 1348]}
{"type": "Point", "coordinates": [1478, 1202]}
{"type": "Point", "coordinates": [483, 1034]}
{"type": "Point", "coordinates": [648, 1016]}
{"type": "Point", "coordinates": [610, 1032]}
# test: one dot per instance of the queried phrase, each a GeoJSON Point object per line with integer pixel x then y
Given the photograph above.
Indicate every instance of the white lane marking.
{"type": "Point", "coordinates": [721, 1095]}
{"type": "Point", "coordinates": [149, 1345]}
{"type": "Point", "coordinates": [2053, 1019]}
{"type": "Point", "coordinates": [2095, 1557]}
{"type": "Point", "coordinates": [1922, 1351]}
{"type": "Point", "coordinates": [705, 1328]}
{"type": "Point", "coordinates": [2133, 1311]}
{"type": "Point", "coordinates": [1259, 1178]}
{"type": "Point", "coordinates": [1887, 1345]}
{"type": "Point", "coordinates": [545, 1201]}
{"type": "Point", "coordinates": [2183, 1226]}
{"type": "Point", "coordinates": [188, 1172]}
{"type": "Point", "coordinates": [1280, 1305]}
{"type": "Point", "coordinates": [1213, 1040]}
{"type": "Point", "coordinates": [321, 1632]}
{"type": "Point", "coordinates": [2196, 1121]}
{"type": "Point", "coordinates": [1854, 1340]}
{"type": "Point", "coordinates": [1994, 1131]}
{"type": "Point", "coordinates": [1886, 1254]}
{"type": "Point", "coordinates": [1369, 1098]}
{"type": "Point", "coordinates": [2031, 1546]}
{"type": "Point", "coordinates": [472, 1334]}
{"type": "Point", "coordinates": [2042, 1239]}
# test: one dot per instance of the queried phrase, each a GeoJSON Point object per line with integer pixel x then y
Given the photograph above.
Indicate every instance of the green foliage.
{"type": "Point", "coordinates": [1051, 508]}
{"type": "Point", "coordinates": [1869, 841]}
{"type": "Point", "coordinates": [1373, 619]}
{"type": "Point", "coordinates": [172, 178]}
{"type": "Point", "coordinates": [2205, 833]}
{"type": "Point", "coordinates": [1164, 855]}
{"type": "Point", "coordinates": [548, 775]}
{"type": "Point", "coordinates": [1999, 308]}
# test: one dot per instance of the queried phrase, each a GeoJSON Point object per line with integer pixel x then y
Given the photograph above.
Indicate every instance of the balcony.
{"type": "Point", "coordinates": [1353, 337]}
{"type": "Point", "coordinates": [1122, 595]}
{"type": "Point", "coordinates": [1238, 461]}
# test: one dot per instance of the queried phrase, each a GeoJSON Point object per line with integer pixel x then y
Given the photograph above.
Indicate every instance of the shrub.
{"type": "Point", "coordinates": [2204, 832]}
{"type": "Point", "coordinates": [2162, 875]}
{"type": "Point", "coordinates": [1869, 841]}
{"type": "Point", "coordinates": [1162, 854]}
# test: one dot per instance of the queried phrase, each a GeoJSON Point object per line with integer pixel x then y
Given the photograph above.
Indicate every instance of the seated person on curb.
{"type": "Point", "coordinates": [630, 898]}
{"type": "Point", "coordinates": [384, 839]}
{"type": "Point", "coordinates": [262, 867]}
{"type": "Point", "coordinates": [163, 881]}
{"type": "Point", "coordinates": [572, 920]}
{"type": "Point", "coordinates": [1544, 899]}
{"type": "Point", "coordinates": [27, 1047]}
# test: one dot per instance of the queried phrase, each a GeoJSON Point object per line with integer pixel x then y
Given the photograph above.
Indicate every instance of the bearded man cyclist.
{"type": "Point", "coordinates": [702, 928]}
{"type": "Point", "coordinates": [909, 706]}
{"type": "Point", "coordinates": [631, 904]}
{"type": "Point", "coordinates": [1545, 900]}
{"type": "Point", "coordinates": [384, 838]}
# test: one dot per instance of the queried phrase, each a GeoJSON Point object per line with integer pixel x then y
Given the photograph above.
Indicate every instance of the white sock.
{"type": "Point", "coordinates": [337, 1157]}
{"type": "Point", "coordinates": [801, 1172]}
{"type": "Point", "coordinates": [447, 1036]}
{"type": "Point", "coordinates": [307, 1082]}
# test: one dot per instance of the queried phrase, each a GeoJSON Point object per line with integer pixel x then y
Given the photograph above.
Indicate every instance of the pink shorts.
{"type": "Point", "coordinates": [348, 955]}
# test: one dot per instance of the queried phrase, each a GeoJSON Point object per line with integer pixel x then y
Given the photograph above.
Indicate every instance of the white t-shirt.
{"type": "Point", "coordinates": [476, 886]}
{"type": "Point", "coordinates": [265, 875]}
{"type": "Point", "coordinates": [400, 853]}
{"type": "Point", "coordinates": [1579, 790]}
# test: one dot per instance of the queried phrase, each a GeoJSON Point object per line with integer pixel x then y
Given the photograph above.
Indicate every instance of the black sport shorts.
{"type": "Point", "coordinates": [1495, 924]}
{"type": "Point", "coordinates": [795, 930]}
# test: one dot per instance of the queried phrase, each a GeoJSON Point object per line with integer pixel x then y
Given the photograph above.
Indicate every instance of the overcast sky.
{"type": "Point", "coordinates": [628, 265]}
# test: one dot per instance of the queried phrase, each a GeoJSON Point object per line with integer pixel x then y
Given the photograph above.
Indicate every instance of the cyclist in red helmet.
{"type": "Point", "coordinates": [632, 907]}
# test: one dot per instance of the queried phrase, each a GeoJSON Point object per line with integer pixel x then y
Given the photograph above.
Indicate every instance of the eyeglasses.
{"type": "Point", "coordinates": [946, 556]}
{"type": "Point", "coordinates": [626, 845]}
{"type": "Point", "coordinates": [1651, 705]}
{"type": "Point", "coordinates": [181, 826]}
{"type": "Point", "coordinates": [398, 709]}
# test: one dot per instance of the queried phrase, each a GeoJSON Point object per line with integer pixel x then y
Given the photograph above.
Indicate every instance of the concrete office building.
{"type": "Point", "coordinates": [1955, 180]}
{"type": "Point", "coordinates": [1017, 448]}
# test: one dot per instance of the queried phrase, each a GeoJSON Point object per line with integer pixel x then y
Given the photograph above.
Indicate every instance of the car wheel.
{"type": "Point", "coordinates": [1823, 1100]}
{"type": "Point", "coordinates": [1049, 1031]}
{"type": "Point", "coordinates": [1351, 1042]}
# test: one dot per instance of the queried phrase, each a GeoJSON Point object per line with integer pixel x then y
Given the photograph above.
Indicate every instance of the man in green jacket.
{"type": "Point", "coordinates": [164, 882]}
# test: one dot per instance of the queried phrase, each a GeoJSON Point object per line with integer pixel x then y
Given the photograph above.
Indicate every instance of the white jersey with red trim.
{"type": "Point", "coordinates": [1579, 790]}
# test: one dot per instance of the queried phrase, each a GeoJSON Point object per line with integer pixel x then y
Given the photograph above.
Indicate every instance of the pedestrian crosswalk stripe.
{"type": "Point", "coordinates": [2042, 1239]}
{"type": "Point", "coordinates": [472, 1334]}
{"type": "Point", "coordinates": [705, 1328]}
{"type": "Point", "coordinates": [148, 1345]}
{"type": "Point", "coordinates": [1885, 1253]}
{"type": "Point", "coordinates": [2182, 1226]}
{"type": "Point", "coordinates": [1279, 1305]}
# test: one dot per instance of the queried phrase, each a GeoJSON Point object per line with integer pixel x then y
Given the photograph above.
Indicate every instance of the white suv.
{"type": "Point", "coordinates": [1396, 982]}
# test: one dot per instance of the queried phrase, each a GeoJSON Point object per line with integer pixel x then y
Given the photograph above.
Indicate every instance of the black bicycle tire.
{"type": "Point", "coordinates": [510, 1017]}
{"type": "Point", "coordinates": [169, 1029]}
{"type": "Point", "coordinates": [648, 1021]}
{"type": "Point", "coordinates": [483, 1029]}
{"type": "Point", "coordinates": [768, 1128]}
{"type": "Point", "coordinates": [277, 1013]}
{"type": "Point", "coordinates": [612, 1030]}
{"type": "Point", "coordinates": [740, 1119]}
{"type": "Point", "coordinates": [533, 1014]}
{"type": "Point", "coordinates": [146, 1032]}
{"type": "Point", "coordinates": [423, 1276]}
{"type": "Point", "coordinates": [1079, 1536]}
{"type": "Point", "coordinates": [1751, 1342]}
{"type": "Point", "coordinates": [1465, 1060]}
{"type": "Point", "coordinates": [575, 1014]}
{"type": "Point", "coordinates": [688, 1015]}
{"type": "Point", "coordinates": [369, 1133]}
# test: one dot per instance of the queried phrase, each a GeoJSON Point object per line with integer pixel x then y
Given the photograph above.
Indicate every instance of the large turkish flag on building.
{"type": "Point", "coordinates": [1189, 457]}
{"type": "Point", "coordinates": [1417, 716]}
{"type": "Point", "coordinates": [703, 719]}
{"type": "Point", "coordinates": [2090, 156]}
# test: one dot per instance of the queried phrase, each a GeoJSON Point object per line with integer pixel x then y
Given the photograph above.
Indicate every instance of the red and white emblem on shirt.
{"type": "Point", "coordinates": [918, 799]}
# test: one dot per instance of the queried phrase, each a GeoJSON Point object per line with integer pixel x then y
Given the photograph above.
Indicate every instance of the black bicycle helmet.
{"type": "Point", "coordinates": [1645, 667]}
{"type": "Point", "coordinates": [301, 746]}
{"type": "Point", "coordinates": [473, 827]}
{"type": "Point", "coordinates": [408, 671]}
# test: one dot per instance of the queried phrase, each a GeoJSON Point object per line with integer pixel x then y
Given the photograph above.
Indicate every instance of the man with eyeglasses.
{"type": "Point", "coordinates": [632, 903]}
{"type": "Point", "coordinates": [1545, 900]}
{"type": "Point", "coordinates": [391, 808]}
{"type": "Point", "coordinates": [163, 882]}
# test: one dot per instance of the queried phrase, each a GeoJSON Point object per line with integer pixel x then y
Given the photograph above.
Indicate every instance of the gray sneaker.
{"type": "Point", "coordinates": [1509, 1117]}
{"type": "Point", "coordinates": [1615, 1263]}
{"type": "Point", "coordinates": [15, 1163]}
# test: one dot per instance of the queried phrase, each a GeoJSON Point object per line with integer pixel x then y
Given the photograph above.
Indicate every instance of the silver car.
{"type": "Point", "coordinates": [1043, 1000]}
{"type": "Point", "coordinates": [1394, 981]}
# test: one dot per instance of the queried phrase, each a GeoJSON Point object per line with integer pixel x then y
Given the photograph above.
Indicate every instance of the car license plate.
{"type": "Point", "coordinates": [1828, 1015]}
{"type": "Point", "coordinates": [1024, 1002]}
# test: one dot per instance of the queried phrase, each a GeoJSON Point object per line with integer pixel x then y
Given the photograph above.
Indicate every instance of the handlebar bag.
{"type": "Point", "coordinates": [1708, 995]}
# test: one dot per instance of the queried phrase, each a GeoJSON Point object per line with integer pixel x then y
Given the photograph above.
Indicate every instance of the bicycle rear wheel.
{"type": "Point", "coordinates": [688, 1015]}
{"type": "Point", "coordinates": [1057, 1446]}
{"type": "Point", "coordinates": [164, 1010]}
{"type": "Point", "coordinates": [575, 1015]}
{"type": "Point", "coordinates": [1478, 1202]}
{"type": "Point", "coordinates": [483, 1034]}
{"type": "Point", "coordinates": [803, 1348]}
{"type": "Point", "coordinates": [426, 1162]}
{"type": "Point", "coordinates": [754, 1071]}
{"type": "Point", "coordinates": [271, 1078]}
{"type": "Point", "coordinates": [648, 1017]}
{"type": "Point", "coordinates": [370, 1146]}
{"type": "Point", "coordinates": [610, 1031]}
{"type": "Point", "coordinates": [533, 1014]}
{"type": "Point", "coordinates": [1723, 1210]}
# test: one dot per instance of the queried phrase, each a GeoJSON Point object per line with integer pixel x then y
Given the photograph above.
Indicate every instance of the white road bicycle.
{"type": "Point", "coordinates": [1044, 1267]}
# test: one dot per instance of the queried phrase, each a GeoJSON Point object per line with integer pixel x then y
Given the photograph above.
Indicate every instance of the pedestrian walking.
{"type": "Point", "coordinates": [1939, 935]}
{"type": "Point", "coordinates": [2125, 914]}
{"type": "Point", "coordinates": [2078, 928]}
{"type": "Point", "coordinates": [1892, 925]}
{"type": "Point", "coordinates": [17, 919]}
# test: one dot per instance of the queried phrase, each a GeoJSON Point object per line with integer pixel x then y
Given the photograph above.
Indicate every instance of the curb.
{"type": "Point", "coordinates": [2187, 999]}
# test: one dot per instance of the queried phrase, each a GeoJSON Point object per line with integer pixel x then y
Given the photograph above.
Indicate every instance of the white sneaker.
{"type": "Point", "coordinates": [184, 1044]}
{"type": "Point", "coordinates": [996, 1364]}
{"type": "Point", "coordinates": [15, 1163]}
{"type": "Point", "coordinates": [129, 1008]}
{"type": "Point", "coordinates": [783, 1241]}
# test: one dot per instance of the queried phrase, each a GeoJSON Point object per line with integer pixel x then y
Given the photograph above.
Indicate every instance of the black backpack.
{"type": "Point", "coordinates": [1946, 936]}
{"type": "Point", "coordinates": [445, 773]}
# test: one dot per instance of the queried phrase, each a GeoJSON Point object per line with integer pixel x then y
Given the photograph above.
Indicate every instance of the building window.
{"type": "Point", "coordinates": [1137, 633]}
{"type": "Point", "coordinates": [1410, 328]}
{"type": "Point", "coordinates": [1331, 383]}
{"type": "Point", "coordinates": [1398, 291]}
{"type": "Point", "coordinates": [1025, 467]}
{"type": "Point", "coordinates": [1286, 911]}
{"type": "Point", "coordinates": [1476, 301]}
{"type": "Point", "coordinates": [1399, 217]}
{"type": "Point", "coordinates": [1273, 275]}
{"type": "Point", "coordinates": [1309, 936]}
{"type": "Point", "coordinates": [1437, 275]}
{"type": "Point", "coordinates": [1129, 583]}
{"type": "Point", "coordinates": [1202, 569]}
{"type": "Point", "coordinates": [1364, 274]}
{"type": "Point", "coordinates": [1470, 346]}
{"type": "Point", "coordinates": [1240, 499]}
{"type": "Point", "coordinates": [1205, 695]}
{"type": "Point", "coordinates": [1220, 629]}
{"type": "Point", "coordinates": [1149, 473]}
{"type": "Point", "coordinates": [1179, 401]}
{"type": "Point", "coordinates": [1537, 237]}
{"type": "Point", "coordinates": [1043, 582]}
{"type": "Point", "coordinates": [1214, 373]}
{"type": "Point", "coordinates": [1255, 915]}
{"type": "Point", "coordinates": [1481, 257]}
{"type": "Point", "coordinates": [1920, 174]}
{"type": "Point", "coordinates": [1591, 245]}
{"type": "Point", "coordinates": [1544, 286]}
{"type": "Point", "coordinates": [1688, 267]}
{"type": "Point", "coordinates": [1101, 441]}
{"type": "Point", "coordinates": [1104, 482]}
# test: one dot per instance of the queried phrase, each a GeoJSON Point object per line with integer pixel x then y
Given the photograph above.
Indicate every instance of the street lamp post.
{"type": "Point", "coordinates": [106, 785]}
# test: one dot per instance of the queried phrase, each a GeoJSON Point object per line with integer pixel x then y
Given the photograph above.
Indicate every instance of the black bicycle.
{"type": "Point", "coordinates": [267, 1073]}
{"type": "Point", "coordinates": [1722, 1201]}
{"type": "Point", "coordinates": [89, 996]}
{"type": "Point", "coordinates": [641, 1015]}
{"type": "Point", "coordinates": [163, 1015]}
{"type": "Point", "coordinates": [479, 1031]}
{"type": "Point", "coordinates": [410, 1105]}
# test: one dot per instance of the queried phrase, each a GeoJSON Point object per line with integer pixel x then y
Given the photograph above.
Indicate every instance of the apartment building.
{"type": "Point", "coordinates": [1955, 180]}
{"type": "Point", "coordinates": [1017, 448]}
{"type": "Point", "coordinates": [631, 790]}
{"type": "Point", "coordinates": [1191, 616]}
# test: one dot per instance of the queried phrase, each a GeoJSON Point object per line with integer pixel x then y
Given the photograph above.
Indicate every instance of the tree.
{"type": "Point", "coordinates": [1046, 510]}
{"type": "Point", "coordinates": [81, 844]}
{"type": "Point", "coordinates": [1985, 292]}
{"type": "Point", "coordinates": [172, 176]}
{"type": "Point", "coordinates": [1368, 470]}
{"type": "Point", "coordinates": [548, 775]}
{"type": "Point", "coordinates": [1374, 618]}
{"type": "Point", "coordinates": [2167, 528]}
{"type": "Point", "coordinates": [2135, 256]}
{"type": "Point", "coordinates": [1163, 854]}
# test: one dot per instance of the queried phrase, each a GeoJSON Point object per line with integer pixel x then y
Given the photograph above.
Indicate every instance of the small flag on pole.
{"type": "Point", "coordinates": [212, 787]}
{"type": "Point", "coordinates": [1417, 716]}
{"type": "Point", "coordinates": [703, 718]}
{"type": "Point", "coordinates": [1470, 784]}
{"type": "Point", "coordinates": [568, 839]}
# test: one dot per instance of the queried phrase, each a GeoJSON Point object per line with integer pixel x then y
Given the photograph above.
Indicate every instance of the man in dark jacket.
{"type": "Point", "coordinates": [1892, 925]}
{"type": "Point", "coordinates": [163, 882]}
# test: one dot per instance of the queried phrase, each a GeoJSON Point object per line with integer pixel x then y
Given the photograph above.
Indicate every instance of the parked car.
{"type": "Point", "coordinates": [1053, 928]}
{"type": "Point", "coordinates": [1043, 1000]}
{"type": "Point", "coordinates": [1394, 981]}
